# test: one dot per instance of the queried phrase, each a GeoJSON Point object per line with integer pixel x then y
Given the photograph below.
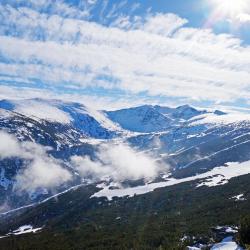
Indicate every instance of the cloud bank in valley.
{"type": "Point", "coordinates": [40, 170]}
{"type": "Point", "coordinates": [119, 162]}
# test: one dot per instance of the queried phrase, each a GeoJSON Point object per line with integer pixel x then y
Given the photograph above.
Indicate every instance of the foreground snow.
{"type": "Point", "coordinates": [227, 244]}
{"type": "Point", "coordinates": [214, 177]}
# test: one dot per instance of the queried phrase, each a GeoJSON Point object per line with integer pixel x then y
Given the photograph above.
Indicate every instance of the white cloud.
{"type": "Point", "coordinates": [95, 101]}
{"type": "Point", "coordinates": [157, 56]}
{"type": "Point", "coordinates": [41, 170]}
{"type": "Point", "coordinates": [9, 146]}
{"type": "Point", "coordinates": [41, 110]}
{"type": "Point", "coordinates": [122, 22]}
{"type": "Point", "coordinates": [58, 7]}
{"type": "Point", "coordinates": [244, 17]}
{"type": "Point", "coordinates": [135, 6]}
{"type": "Point", "coordinates": [89, 168]}
{"type": "Point", "coordinates": [163, 24]}
{"type": "Point", "coordinates": [92, 1]}
{"type": "Point", "coordinates": [217, 176]}
{"type": "Point", "coordinates": [118, 161]}
{"type": "Point", "coordinates": [236, 13]}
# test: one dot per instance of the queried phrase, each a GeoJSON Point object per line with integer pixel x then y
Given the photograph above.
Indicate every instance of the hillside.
{"type": "Point", "coordinates": [151, 173]}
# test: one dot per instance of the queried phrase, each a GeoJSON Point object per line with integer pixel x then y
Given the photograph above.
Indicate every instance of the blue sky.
{"type": "Point", "coordinates": [114, 53]}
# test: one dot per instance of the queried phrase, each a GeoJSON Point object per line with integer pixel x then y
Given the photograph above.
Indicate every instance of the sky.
{"type": "Point", "coordinates": [111, 54]}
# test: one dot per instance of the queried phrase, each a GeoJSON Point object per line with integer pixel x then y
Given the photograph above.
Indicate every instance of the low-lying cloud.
{"type": "Point", "coordinates": [119, 162]}
{"type": "Point", "coordinates": [9, 146]}
{"type": "Point", "coordinates": [41, 170]}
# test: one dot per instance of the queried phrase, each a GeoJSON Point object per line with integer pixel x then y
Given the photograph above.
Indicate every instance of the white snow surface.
{"type": "Point", "coordinates": [92, 141]}
{"type": "Point", "coordinates": [23, 230]}
{"type": "Point", "coordinates": [228, 229]}
{"type": "Point", "coordinates": [26, 229]}
{"type": "Point", "coordinates": [140, 119]}
{"type": "Point", "coordinates": [4, 113]}
{"type": "Point", "coordinates": [211, 118]}
{"type": "Point", "coordinates": [227, 244]}
{"type": "Point", "coordinates": [42, 110]}
{"type": "Point", "coordinates": [214, 177]}
{"type": "Point", "coordinates": [239, 197]}
{"type": "Point", "coordinates": [102, 119]}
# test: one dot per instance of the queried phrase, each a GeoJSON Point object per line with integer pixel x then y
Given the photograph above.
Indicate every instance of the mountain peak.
{"type": "Point", "coordinates": [185, 107]}
{"type": "Point", "coordinates": [140, 119]}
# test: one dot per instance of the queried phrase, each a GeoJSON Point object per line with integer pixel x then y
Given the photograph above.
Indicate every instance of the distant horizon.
{"type": "Point", "coordinates": [223, 109]}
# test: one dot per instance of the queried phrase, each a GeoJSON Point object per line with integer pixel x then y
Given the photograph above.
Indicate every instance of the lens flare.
{"type": "Point", "coordinates": [234, 12]}
{"type": "Point", "coordinates": [230, 8]}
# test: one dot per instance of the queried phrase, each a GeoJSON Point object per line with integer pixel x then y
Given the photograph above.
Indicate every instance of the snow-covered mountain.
{"type": "Point", "coordinates": [65, 166]}
{"type": "Point", "coordinates": [100, 145]}
{"type": "Point", "coordinates": [149, 118]}
{"type": "Point", "coordinates": [88, 122]}
{"type": "Point", "coordinates": [141, 119]}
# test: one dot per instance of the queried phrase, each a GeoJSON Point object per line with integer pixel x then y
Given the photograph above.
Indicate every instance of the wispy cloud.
{"type": "Point", "coordinates": [244, 17]}
{"type": "Point", "coordinates": [94, 100]}
{"type": "Point", "coordinates": [13, 148]}
{"type": "Point", "coordinates": [42, 110]}
{"type": "Point", "coordinates": [52, 7]}
{"type": "Point", "coordinates": [236, 13]}
{"type": "Point", "coordinates": [155, 55]}
{"type": "Point", "coordinates": [41, 170]}
{"type": "Point", "coordinates": [118, 162]}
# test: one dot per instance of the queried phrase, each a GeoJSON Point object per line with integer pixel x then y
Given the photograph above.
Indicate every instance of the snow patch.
{"type": "Point", "coordinates": [211, 118]}
{"type": "Point", "coordinates": [221, 175]}
{"type": "Point", "coordinates": [103, 119]}
{"type": "Point", "coordinates": [92, 141]}
{"type": "Point", "coordinates": [228, 229]}
{"type": "Point", "coordinates": [227, 244]}
{"type": "Point", "coordinates": [26, 229]}
{"type": "Point", "coordinates": [23, 230]}
{"type": "Point", "coordinates": [42, 110]}
{"type": "Point", "coordinates": [214, 177]}
{"type": "Point", "coordinates": [239, 197]}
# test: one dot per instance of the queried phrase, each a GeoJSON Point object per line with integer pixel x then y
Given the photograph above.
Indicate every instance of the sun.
{"type": "Point", "coordinates": [230, 7]}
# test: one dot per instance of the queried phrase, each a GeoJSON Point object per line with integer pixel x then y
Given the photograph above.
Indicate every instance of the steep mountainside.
{"type": "Point", "coordinates": [86, 159]}
{"type": "Point", "coordinates": [185, 141]}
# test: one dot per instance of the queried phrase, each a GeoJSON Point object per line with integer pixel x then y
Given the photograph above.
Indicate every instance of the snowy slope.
{"type": "Point", "coordinates": [215, 177]}
{"type": "Point", "coordinates": [86, 120]}
{"type": "Point", "coordinates": [140, 119]}
{"type": "Point", "coordinates": [227, 244]}
{"type": "Point", "coordinates": [149, 118]}
{"type": "Point", "coordinates": [186, 141]}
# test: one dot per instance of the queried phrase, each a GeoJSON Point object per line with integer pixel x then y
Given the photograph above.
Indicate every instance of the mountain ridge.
{"type": "Point", "coordinates": [176, 138]}
{"type": "Point", "coordinates": [71, 172]}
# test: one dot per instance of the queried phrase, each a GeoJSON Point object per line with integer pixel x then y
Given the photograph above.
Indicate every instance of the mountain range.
{"type": "Point", "coordinates": [67, 168]}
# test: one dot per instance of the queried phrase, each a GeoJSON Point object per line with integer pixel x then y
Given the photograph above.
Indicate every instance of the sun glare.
{"type": "Point", "coordinates": [230, 7]}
